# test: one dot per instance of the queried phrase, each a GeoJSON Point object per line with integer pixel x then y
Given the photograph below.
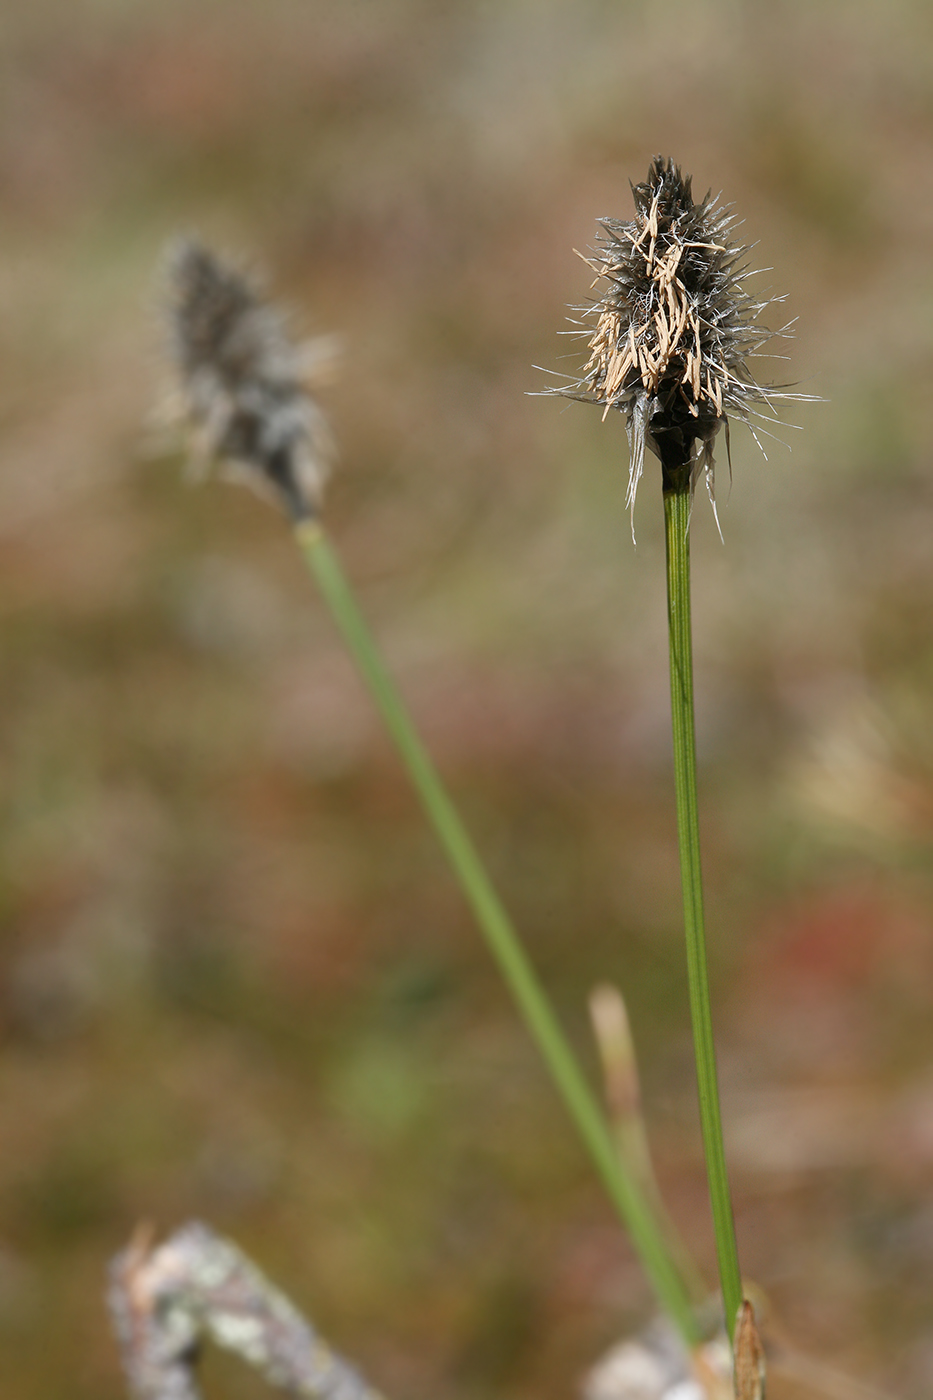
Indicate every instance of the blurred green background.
{"type": "Point", "coordinates": [236, 981]}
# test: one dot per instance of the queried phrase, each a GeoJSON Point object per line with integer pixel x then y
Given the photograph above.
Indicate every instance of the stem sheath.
{"type": "Point", "coordinates": [677, 507]}
{"type": "Point", "coordinates": [625, 1192]}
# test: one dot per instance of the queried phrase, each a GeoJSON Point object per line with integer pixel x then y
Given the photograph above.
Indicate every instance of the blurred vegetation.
{"type": "Point", "coordinates": [236, 980]}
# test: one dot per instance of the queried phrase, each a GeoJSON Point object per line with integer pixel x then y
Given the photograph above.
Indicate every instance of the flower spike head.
{"type": "Point", "coordinates": [243, 384]}
{"type": "Point", "coordinates": [675, 325]}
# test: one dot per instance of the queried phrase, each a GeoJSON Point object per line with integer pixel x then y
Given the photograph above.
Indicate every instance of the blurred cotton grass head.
{"type": "Point", "coordinates": [675, 327]}
{"type": "Point", "coordinates": [243, 386]}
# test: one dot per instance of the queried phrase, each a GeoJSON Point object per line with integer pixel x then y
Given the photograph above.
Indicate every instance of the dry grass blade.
{"type": "Point", "coordinates": [749, 1356]}
{"type": "Point", "coordinates": [613, 1034]}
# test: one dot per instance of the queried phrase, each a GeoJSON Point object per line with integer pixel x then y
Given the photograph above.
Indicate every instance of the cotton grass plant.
{"type": "Point", "coordinates": [669, 340]}
{"type": "Point", "coordinates": [676, 324]}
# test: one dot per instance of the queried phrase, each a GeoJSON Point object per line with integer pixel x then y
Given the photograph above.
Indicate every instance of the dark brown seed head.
{"type": "Point", "coordinates": [675, 326]}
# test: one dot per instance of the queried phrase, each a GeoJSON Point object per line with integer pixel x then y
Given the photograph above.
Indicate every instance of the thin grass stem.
{"type": "Point", "coordinates": [677, 507]}
{"type": "Point", "coordinates": [625, 1192]}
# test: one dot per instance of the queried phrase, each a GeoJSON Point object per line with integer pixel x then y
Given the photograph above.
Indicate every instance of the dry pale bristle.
{"type": "Point", "coordinates": [242, 381]}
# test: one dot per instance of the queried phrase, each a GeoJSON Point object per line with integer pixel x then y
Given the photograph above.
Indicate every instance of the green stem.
{"type": "Point", "coordinates": [677, 505]}
{"type": "Point", "coordinates": [624, 1191]}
